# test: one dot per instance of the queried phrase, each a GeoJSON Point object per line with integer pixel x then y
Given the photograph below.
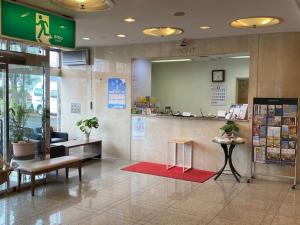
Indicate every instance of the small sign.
{"type": "Point", "coordinates": [26, 23]}
{"type": "Point", "coordinates": [138, 131]}
{"type": "Point", "coordinates": [116, 93]}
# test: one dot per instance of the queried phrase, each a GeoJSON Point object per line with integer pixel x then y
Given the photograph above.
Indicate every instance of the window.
{"type": "Point", "coordinates": [31, 49]}
{"type": "Point", "coordinates": [54, 59]}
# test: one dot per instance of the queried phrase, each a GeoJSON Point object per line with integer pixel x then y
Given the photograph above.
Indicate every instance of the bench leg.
{"type": "Point", "coordinates": [79, 172]}
{"type": "Point", "coordinates": [67, 173]}
{"type": "Point", "coordinates": [19, 180]}
{"type": "Point", "coordinates": [32, 187]}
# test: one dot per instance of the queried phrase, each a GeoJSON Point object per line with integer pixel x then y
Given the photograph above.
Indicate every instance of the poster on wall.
{"type": "Point", "coordinates": [116, 93]}
{"type": "Point", "coordinates": [218, 94]}
{"type": "Point", "coordinates": [138, 129]}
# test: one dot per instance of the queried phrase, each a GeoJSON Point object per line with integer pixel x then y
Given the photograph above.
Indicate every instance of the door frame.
{"type": "Point", "coordinates": [20, 58]}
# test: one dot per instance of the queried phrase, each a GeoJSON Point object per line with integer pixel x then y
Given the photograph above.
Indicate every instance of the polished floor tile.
{"type": "Point", "coordinates": [110, 196]}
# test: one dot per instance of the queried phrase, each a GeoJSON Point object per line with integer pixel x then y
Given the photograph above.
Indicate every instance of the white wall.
{"type": "Point", "coordinates": [141, 78]}
{"type": "Point", "coordinates": [186, 86]}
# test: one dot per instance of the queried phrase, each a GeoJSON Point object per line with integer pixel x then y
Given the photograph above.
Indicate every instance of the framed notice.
{"type": "Point", "coordinates": [274, 130]}
{"type": "Point", "coordinates": [218, 94]}
{"type": "Point", "coordinates": [116, 93]}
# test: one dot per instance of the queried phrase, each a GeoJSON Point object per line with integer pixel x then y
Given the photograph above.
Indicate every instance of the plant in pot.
{"type": "Point", "coordinates": [19, 134]}
{"type": "Point", "coordinates": [87, 125]}
{"type": "Point", "coordinates": [230, 128]}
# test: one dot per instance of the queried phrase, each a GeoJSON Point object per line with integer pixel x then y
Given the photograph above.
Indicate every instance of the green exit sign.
{"type": "Point", "coordinates": [30, 24]}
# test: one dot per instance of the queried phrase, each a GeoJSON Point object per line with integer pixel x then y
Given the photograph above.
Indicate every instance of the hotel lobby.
{"type": "Point", "coordinates": [149, 112]}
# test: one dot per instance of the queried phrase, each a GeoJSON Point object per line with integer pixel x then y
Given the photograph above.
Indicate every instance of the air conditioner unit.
{"type": "Point", "coordinates": [76, 58]}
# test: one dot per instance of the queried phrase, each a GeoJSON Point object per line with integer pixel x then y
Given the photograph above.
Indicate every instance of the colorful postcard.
{"type": "Point", "coordinates": [292, 144]}
{"type": "Point", "coordinates": [288, 155]}
{"type": "Point", "coordinates": [284, 144]}
{"type": "Point", "coordinates": [285, 132]}
{"type": "Point", "coordinates": [271, 110]}
{"type": "Point", "coordinates": [278, 110]}
{"type": "Point", "coordinates": [259, 154]}
{"type": "Point", "coordinates": [256, 130]}
{"type": "Point", "coordinates": [263, 131]}
{"type": "Point", "coordinates": [271, 121]}
{"type": "Point", "coordinates": [277, 121]}
{"type": "Point", "coordinates": [273, 154]}
{"type": "Point", "coordinates": [273, 136]}
{"type": "Point", "coordinates": [291, 121]}
{"type": "Point", "coordinates": [255, 140]}
{"type": "Point", "coordinates": [270, 141]}
{"type": "Point", "coordinates": [260, 110]}
{"type": "Point", "coordinates": [290, 110]}
{"type": "Point", "coordinates": [292, 132]}
{"type": "Point", "coordinates": [259, 120]}
{"type": "Point", "coordinates": [262, 141]}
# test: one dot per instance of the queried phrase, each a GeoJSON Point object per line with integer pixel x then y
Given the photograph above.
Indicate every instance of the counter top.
{"type": "Point", "coordinates": [187, 117]}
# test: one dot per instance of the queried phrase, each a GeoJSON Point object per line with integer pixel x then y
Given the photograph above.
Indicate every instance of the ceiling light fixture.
{"type": "Point", "coordinates": [85, 5]}
{"type": "Point", "coordinates": [171, 60]}
{"type": "Point", "coordinates": [162, 31]}
{"type": "Point", "coordinates": [86, 38]}
{"type": "Point", "coordinates": [205, 27]}
{"type": "Point", "coordinates": [121, 35]}
{"type": "Point", "coordinates": [129, 20]}
{"type": "Point", "coordinates": [240, 57]}
{"type": "Point", "coordinates": [179, 14]}
{"type": "Point", "coordinates": [255, 22]}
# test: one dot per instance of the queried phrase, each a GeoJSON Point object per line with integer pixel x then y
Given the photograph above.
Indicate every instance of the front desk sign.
{"type": "Point", "coordinates": [29, 24]}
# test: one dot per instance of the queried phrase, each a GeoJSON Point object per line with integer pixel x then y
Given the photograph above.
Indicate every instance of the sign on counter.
{"type": "Point", "coordinates": [116, 93]}
{"type": "Point", "coordinates": [26, 23]}
{"type": "Point", "coordinates": [138, 129]}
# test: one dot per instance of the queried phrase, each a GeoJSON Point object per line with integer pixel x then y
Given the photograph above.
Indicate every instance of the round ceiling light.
{"type": "Point", "coordinates": [85, 5]}
{"type": "Point", "coordinates": [255, 22]}
{"type": "Point", "coordinates": [162, 31]}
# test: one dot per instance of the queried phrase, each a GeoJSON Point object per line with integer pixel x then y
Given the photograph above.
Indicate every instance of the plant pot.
{"type": "Point", "coordinates": [23, 150]}
{"type": "Point", "coordinates": [229, 135]}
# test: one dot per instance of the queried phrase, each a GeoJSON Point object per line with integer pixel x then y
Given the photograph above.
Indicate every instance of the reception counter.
{"type": "Point", "coordinates": [152, 147]}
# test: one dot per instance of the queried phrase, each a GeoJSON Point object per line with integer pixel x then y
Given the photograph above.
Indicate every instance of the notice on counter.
{"type": "Point", "coordinates": [138, 128]}
{"type": "Point", "coordinates": [116, 93]}
{"type": "Point", "coordinates": [218, 94]}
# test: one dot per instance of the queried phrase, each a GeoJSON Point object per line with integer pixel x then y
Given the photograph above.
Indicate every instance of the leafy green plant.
{"type": "Point", "coordinates": [18, 116]}
{"type": "Point", "coordinates": [87, 125]}
{"type": "Point", "coordinates": [230, 127]}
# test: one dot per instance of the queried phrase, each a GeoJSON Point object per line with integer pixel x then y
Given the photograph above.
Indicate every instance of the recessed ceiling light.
{"type": "Point", "coordinates": [240, 57]}
{"type": "Point", "coordinates": [129, 20]}
{"type": "Point", "coordinates": [205, 27]}
{"type": "Point", "coordinates": [162, 31]}
{"type": "Point", "coordinates": [86, 38]}
{"type": "Point", "coordinates": [171, 60]}
{"type": "Point", "coordinates": [179, 14]}
{"type": "Point", "coordinates": [255, 22]}
{"type": "Point", "coordinates": [85, 5]}
{"type": "Point", "coordinates": [121, 35]}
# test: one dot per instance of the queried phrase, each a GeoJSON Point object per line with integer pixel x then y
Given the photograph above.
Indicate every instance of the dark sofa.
{"type": "Point", "coordinates": [56, 137]}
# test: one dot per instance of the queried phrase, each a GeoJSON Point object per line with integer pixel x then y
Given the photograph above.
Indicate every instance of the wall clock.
{"type": "Point", "coordinates": [218, 76]}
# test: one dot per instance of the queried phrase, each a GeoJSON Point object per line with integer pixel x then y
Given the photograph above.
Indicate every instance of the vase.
{"type": "Point", "coordinates": [23, 150]}
{"type": "Point", "coordinates": [87, 137]}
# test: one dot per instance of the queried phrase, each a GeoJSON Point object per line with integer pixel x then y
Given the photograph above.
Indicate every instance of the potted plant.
{"type": "Point", "coordinates": [87, 125]}
{"type": "Point", "coordinates": [22, 147]}
{"type": "Point", "coordinates": [230, 128]}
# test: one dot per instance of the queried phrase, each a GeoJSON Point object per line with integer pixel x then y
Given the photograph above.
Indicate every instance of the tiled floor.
{"type": "Point", "coordinates": [108, 196]}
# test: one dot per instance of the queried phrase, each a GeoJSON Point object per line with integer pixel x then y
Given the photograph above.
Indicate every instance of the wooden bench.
{"type": "Point", "coordinates": [46, 166]}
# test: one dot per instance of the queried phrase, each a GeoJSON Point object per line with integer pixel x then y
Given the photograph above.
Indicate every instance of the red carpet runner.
{"type": "Point", "coordinates": [193, 175]}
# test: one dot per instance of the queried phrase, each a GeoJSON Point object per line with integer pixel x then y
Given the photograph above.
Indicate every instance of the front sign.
{"type": "Point", "coordinates": [29, 24]}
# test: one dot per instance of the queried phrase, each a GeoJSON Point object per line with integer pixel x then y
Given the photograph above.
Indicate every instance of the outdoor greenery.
{"type": "Point", "coordinates": [86, 125]}
{"type": "Point", "coordinates": [229, 128]}
{"type": "Point", "coordinates": [18, 116]}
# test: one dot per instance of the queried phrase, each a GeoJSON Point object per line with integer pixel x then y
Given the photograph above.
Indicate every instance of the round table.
{"type": "Point", "coordinates": [225, 142]}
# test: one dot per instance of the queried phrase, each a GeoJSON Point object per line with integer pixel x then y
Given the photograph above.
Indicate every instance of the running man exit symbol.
{"type": "Point", "coordinates": [42, 28]}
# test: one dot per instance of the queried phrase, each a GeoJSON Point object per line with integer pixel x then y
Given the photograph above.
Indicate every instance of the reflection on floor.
{"type": "Point", "coordinates": [109, 196]}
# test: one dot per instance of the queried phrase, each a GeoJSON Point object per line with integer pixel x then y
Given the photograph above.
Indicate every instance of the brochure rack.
{"type": "Point", "coordinates": [274, 133]}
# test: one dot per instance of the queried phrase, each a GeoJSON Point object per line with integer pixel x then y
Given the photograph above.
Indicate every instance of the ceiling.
{"type": "Point", "coordinates": [102, 27]}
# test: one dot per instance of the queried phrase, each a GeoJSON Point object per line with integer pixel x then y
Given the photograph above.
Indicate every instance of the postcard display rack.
{"type": "Point", "coordinates": [274, 133]}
